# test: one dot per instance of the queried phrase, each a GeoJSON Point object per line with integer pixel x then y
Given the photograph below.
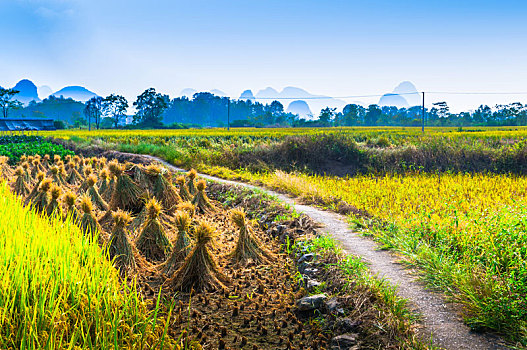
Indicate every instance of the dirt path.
{"type": "Point", "coordinates": [440, 321]}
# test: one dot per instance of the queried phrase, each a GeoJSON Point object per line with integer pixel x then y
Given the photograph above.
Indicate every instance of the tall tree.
{"type": "Point", "coordinates": [150, 106]}
{"type": "Point", "coordinates": [114, 107]}
{"type": "Point", "coordinates": [326, 116]}
{"type": "Point", "coordinates": [93, 111]}
{"type": "Point", "coordinates": [373, 114]}
{"type": "Point", "coordinates": [6, 101]}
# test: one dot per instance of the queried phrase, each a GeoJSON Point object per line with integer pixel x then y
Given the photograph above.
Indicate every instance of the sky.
{"type": "Point", "coordinates": [335, 48]}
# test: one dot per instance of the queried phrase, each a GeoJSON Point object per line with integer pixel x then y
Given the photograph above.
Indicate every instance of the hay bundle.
{"type": "Point", "coordinates": [45, 161]}
{"type": "Point", "coordinates": [20, 186]}
{"type": "Point", "coordinates": [182, 245]}
{"type": "Point", "coordinates": [93, 193]}
{"type": "Point", "coordinates": [187, 207]}
{"type": "Point", "coordinates": [40, 176]}
{"type": "Point", "coordinates": [201, 201]}
{"type": "Point", "coordinates": [54, 207]}
{"type": "Point", "coordinates": [140, 176]}
{"type": "Point", "coordinates": [200, 270]}
{"type": "Point", "coordinates": [36, 167]}
{"type": "Point", "coordinates": [5, 169]}
{"type": "Point", "coordinates": [71, 210]}
{"type": "Point", "coordinates": [88, 170]}
{"type": "Point", "coordinates": [74, 177]}
{"type": "Point", "coordinates": [103, 184]}
{"type": "Point", "coordinates": [119, 248]}
{"type": "Point", "coordinates": [41, 200]}
{"type": "Point", "coordinates": [192, 174]}
{"type": "Point", "coordinates": [126, 194]}
{"type": "Point", "coordinates": [162, 189]}
{"type": "Point", "coordinates": [88, 223]}
{"type": "Point", "coordinates": [248, 248]}
{"type": "Point", "coordinates": [54, 174]}
{"type": "Point", "coordinates": [25, 167]}
{"type": "Point", "coordinates": [152, 241]}
{"type": "Point", "coordinates": [183, 190]}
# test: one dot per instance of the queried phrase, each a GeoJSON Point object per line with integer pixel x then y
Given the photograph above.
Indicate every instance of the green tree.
{"type": "Point", "coordinates": [6, 101]}
{"type": "Point", "coordinates": [373, 114]}
{"type": "Point", "coordinates": [94, 110]}
{"type": "Point", "coordinates": [150, 106]}
{"type": "Point", "coordinates": [114, 108]}
{"type": "Point", "coordinates": [326, 116]}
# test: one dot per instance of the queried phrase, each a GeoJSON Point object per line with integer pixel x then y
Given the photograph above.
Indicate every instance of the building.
{"type": "Point", "coordinates": [25, 124]}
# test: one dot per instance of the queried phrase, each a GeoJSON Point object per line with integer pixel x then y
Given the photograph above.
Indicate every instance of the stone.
{"type": "Point", "coordinates": [310, 271]}
{"type": "Point", "coordinates": [347, 325]}
{"type": "Point", "coordinates": [344, 342]}
{"type": "Point", "coordinates": [312, 284]}
{"type": "Point", "coordinates": [306, 257]}
{"type": "Point", "coordinates": [333, 306]}
{"type": "Point", "coordinates": [311, 302]}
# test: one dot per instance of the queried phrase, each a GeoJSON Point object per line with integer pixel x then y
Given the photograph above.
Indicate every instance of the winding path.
{"type": "Point", "coordinates": [440, 322]}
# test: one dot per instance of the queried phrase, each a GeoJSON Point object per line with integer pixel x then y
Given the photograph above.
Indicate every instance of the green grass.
{"type": "Point", "coordinates": [58, 291]}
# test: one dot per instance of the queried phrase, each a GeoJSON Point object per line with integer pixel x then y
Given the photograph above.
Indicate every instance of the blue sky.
{"type": "Point", "coordinates": [337, 48]}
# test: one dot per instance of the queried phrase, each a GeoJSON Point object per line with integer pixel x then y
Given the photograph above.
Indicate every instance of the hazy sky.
{"type": "Point", "coordinates": [337, 48]}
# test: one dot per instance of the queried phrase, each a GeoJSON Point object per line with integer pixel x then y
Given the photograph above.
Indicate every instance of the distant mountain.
{"type": "Point", "coordinates": [188, 92]}
{"type": "Point", "coordinates": [28, 91]}
{"type": "Point", "coordinates": [393, 100]}
{"type": "Point", "coordinates": [218, 92]}
{"type": "Point", "coordinates": [44, 91]}
{"type": "Point", "coordinates": [78, 93]}
{"type": "Point", "coordinates": [315, 103]}
{"type": "Point", "coordinates": [403, 96]}
{"type": "Point", "coordinates": [301, 108]}
{"type": "Point", "coordinates": [268, 92]}
{"type": "Point", "coordinates": [409, 92]}
{"type": "Point", "coordinates": [247, 95]}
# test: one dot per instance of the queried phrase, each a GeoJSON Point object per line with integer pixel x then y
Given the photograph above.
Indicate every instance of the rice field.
{"type": "Point", "coordinates": [58, 291]}
{"type": "Point", "coordinates": [465, 231]}
{"type": "Point", "coordinates": [102, 254]}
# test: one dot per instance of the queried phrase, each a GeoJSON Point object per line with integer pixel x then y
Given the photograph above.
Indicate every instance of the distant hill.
{"type": "Point", "coordinates": [218, 92]}
{"type": "Point", "coordinates": [315, 103]}
{"type": "Point", "coordinates": [247, 95]}
{"type": "Point", "coordinates": [301, 108]}
{"type": "Point", "coordinates": [44, 91]}
{"type": "Point", "coordinates": [78, 93]}
{"type": "Point", "coordinates": [188, 92]}
{"type": "Point", "coordinates": [28, 91]}
{"type": "Point", "coordinates": [393, 100]}
{"type": "Point", "coordinates": [403, 96]}
{"type": "Point", "coordinates": [409, 92]}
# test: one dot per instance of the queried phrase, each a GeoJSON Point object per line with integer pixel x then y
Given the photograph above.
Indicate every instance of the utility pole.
{"type": "Point", "coordinates": [423, 112]}
{"type": "Point", "coordinates": [228, 113]}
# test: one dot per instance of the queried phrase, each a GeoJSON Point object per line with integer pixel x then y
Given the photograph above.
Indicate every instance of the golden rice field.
{"type": "Point", "coordinates": [466, 232]}
{"type": "Point", "coordinates": [396, 134]}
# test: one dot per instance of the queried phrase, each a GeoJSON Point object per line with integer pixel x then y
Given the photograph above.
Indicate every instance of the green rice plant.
{"type": "Point", "coordinates": [58, 291]}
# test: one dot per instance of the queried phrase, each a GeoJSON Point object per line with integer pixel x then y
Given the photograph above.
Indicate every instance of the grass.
{"type": "Point", "coordinates": [392, 313]}
{"type": "Point", "coordinates": [57, 290]}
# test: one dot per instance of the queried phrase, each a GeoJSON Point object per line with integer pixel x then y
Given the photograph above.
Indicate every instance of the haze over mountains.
{"type": "Point", "coordinates": [295, 100]}
{"type": "Point", "coordinates": [29, 92]}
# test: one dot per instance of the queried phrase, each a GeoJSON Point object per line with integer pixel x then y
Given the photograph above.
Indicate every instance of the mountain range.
{"type": "Point", "coordinates": [29, 92]}
{"type": "Point", "coordinates": [294, 99]}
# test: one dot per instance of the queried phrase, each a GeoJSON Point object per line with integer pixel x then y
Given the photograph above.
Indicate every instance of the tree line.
{"type": "Point", "coordinates": [156, 110]}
